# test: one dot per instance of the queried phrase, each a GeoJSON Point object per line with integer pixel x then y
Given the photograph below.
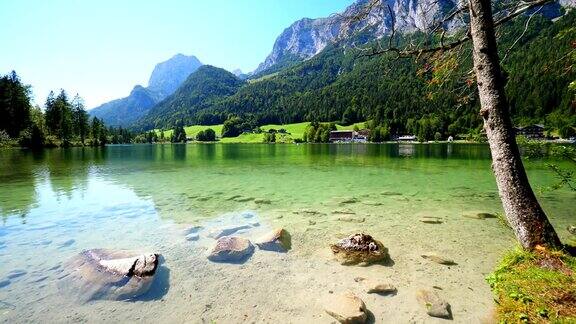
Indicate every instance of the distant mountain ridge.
{"type": "Point", "coordinates": [166, 77]}
{"type": "Point", "coordinates": [202, 89]}
{"type": "Point", "coordinates": [307, 37]}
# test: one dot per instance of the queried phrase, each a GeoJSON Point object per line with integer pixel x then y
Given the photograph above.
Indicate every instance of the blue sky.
{"type": "Point", "coordinates": [102, 48]}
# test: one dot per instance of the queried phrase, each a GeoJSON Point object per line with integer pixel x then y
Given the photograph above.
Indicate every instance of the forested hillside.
{"type": "Point", "coordinates": [415, 95]}
{"type": "Point", "coordinates": [204, 88]}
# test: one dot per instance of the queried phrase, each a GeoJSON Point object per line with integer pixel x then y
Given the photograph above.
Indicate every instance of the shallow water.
{"type": "Point", "coordinates": [57, 203]}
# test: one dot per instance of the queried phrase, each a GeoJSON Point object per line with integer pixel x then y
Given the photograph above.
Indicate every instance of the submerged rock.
{"type": "Point", "coordinates": [375, 287]}
{"type": "Point", "coordinates": [390, 193]}
{"type": "Point", "coordinates": [431, 220]}
{"type": "Point", "coordinates": [347, 308]}
{"type": "Point", "coordinates": [262, 201]}
{"type": "Point", "coordinates": [16, 274]}
{"type": "Point", "coordinates": [351, 219]}
{"type": "Point", "coordinates": [359, 248]}
{"type": "Point", "coordinates": [571, 229]}
{"type": "Point", "coordinates": [278, 240]}
{"type": "Point", "coordinates": [5, 283]}
{"type": "Point", "coordinates": [479, 215]}
{"type": "Point", "coordinates": [231, 249]}
{"type": "Point", "coordinates": [438, 259]}
{"type": "Point", "coordinates": [193, 233]}
{"type": "Point", "coordinates": [109, 274]}
{"type": "Point", "coordinates": [227, 231]}
{"type": "Point", "coordinates": [243, 199]}
{"type": "Point", "coordinates": [343, 212]}
{"type": "Point", "coordinates": [435, 306]}
{"type": "Point", "coordinates": [351, 200]}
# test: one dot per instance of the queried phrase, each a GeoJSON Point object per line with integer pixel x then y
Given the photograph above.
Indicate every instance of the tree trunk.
{"type": "Point", "coordinates": [524, 213]}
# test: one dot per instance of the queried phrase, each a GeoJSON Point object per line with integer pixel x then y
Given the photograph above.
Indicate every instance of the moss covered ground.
{"type": "Point", "coordinates": [535, 287]}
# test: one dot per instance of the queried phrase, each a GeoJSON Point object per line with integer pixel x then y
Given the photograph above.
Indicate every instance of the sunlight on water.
{"type": "Point", "coordinates": [57, 203]}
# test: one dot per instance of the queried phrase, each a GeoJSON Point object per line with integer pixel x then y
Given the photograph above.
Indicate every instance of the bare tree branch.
{"type": "Point", "coordinates": [519, 8]}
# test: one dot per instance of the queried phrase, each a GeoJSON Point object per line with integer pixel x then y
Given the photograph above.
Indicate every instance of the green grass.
{"type": "Point", "coordinates": [244, 138]}
{"type": "Point", "coordinates": [262, 78]}
{"type": "Point", "coordinates": [535, 287]}
{"type": "Point", "coordinates": [351, 127]}
{"type": "Point", "coordinates": [192, 131]}
{"type": "Point", "coordinates": [295, 131]}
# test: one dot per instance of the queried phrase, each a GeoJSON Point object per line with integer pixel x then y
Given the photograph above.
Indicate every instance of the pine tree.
{"type": "Point", "coordinates": [51, 115]}
{"type": "Point", "coordinates": [14, 105]}
{"type": "Point", "coordinates": [80, 118]}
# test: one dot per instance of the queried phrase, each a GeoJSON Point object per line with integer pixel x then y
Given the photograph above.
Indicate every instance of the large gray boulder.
{"type": "Point", "coordinates": [231, 249]}
{"type": "Point", "coordinates": [102, 274]}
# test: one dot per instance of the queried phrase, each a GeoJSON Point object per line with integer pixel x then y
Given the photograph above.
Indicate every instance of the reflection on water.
{"type": "Point", "coordinates": [56, 203]}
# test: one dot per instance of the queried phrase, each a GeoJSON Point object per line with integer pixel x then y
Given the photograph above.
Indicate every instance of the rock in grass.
{"type": "Point", "coordinates": [231, 249]}
{"type": "Point", "coordinates": [438, 259]}
{"type": "Point", "coordinates": [431, 220]}
{"type": "Point", "coordinates": [101, 274]}
{"type": "Point", "coordinates": [435, 306]}
{"type": "Point", "coordinates": [375, 287]}
{"type": "Point", "coordinates": [571, 229]}
{"type": "Point", "coordinates": [278, 240]}
{"type": "Point", "coordinates": [359, 248]}
{"type": "Point", "coordinates": [347, 308]}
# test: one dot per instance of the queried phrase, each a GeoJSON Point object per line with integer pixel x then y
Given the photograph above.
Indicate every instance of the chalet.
{"type": "Point", "coordinates": [531, 131]}
{"type": "Point", "coordinates": [349, 136]}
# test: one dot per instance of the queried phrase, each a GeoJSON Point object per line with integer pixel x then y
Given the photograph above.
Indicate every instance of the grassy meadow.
{"type": "Point", "coordinates": [293, 131]}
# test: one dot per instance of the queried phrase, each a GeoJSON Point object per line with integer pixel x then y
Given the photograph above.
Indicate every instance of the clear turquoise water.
{"type": "Point", "coordinates": [55, 203]}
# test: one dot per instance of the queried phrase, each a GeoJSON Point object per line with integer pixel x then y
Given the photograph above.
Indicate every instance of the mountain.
{"type": "Point", "coordinates": [125, 111]}
{"type": "Point", "coordinates": [202, 89]}
{"type": "Point", "coordinates": [307, 37]}
{"type": "Point", "coordinates": [405, 95]}
{"type": "Point", "coordinates": [164, 80]}
{"type": "Point", "coordinates": [169, 75]}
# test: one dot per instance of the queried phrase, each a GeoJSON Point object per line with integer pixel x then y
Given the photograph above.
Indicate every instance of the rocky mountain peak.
{"type": "Point", "coordinates": [169, 75]}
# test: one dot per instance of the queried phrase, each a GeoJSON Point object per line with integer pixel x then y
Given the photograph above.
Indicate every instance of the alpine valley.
{"type": "Point", "coordinates": [315, 73]}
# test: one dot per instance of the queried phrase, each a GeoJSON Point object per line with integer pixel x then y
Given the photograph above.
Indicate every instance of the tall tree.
{"type": "Point", "coordinates": [14, 105]}
{"type": "Point", "coordinates": [524, 213]}
{"type": "Point", "coordinates": [65, 126]}
{"type": "Point", "coordinates": [98, 132]}
{"type": "Point", "coordinates": [80, 118]}
{"type": "Point", "coordinates": [522, 209]}
{"type": "Point", "coordinates": [52, 116]}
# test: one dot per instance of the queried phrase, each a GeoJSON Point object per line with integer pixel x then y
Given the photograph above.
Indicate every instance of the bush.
{"type": "Point", "coordinates": [232, 127]}
{"type": "Point", "coordinates": [208, 135]}
{"type": "Point", "coordinates": [4, 139]}
{"type": "Point", "coordinates": [270, 138]}
{"type": "Point", "coordinates": [178, 135]}
{"type": "Point", "coordinates": [567, 132]}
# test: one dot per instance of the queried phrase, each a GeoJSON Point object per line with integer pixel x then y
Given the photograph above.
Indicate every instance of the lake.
{"type": "Point", "coordinates": [57, 203]}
